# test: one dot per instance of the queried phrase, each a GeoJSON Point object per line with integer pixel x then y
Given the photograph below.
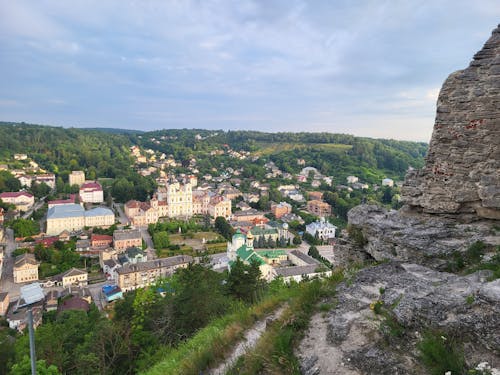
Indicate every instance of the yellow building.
{"type": "Point", "coordinates": [140, 275]}
{"type": "Point", "coordinates": [25, 268]}
{"type": "Point", "coordinates": [73, 217]}
{"type": "Point", "coordinates": [179, 199]}
{"type": "Point", "coordinates": [219, 206]}
{"type": "Point", "coordinates": [76, 178]}
{"type": "Point", "coordinates": [73, 276]}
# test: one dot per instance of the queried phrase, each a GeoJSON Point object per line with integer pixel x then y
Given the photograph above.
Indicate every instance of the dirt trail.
{"type": "Point", "coordinates": [250, 339]}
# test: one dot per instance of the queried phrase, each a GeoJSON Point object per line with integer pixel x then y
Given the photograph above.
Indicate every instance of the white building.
{"type": "Point", "coordinates": [324, 229]}
{"type": "Point", "coordinates": [387, 182]}
{"type": "Point", "coordinates": [91, 192]}
{"type": "Point", "coordinates": [73, 217]}
{"type": "Point", "coordinates": [21, 199]}
{"type": "Point", "coordinates": [76, 178]}
{"type": "Point", "coordinates": [352, 179]}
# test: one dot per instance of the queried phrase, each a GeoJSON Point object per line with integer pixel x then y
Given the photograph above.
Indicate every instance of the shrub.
{"type": "Point", "coordinates": [441, 354]}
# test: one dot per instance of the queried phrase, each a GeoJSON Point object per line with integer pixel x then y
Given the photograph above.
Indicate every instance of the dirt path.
{"type": "Point", "coordinates": [329, 358]}
{"type": "Point", "coordinates": [250, 339]}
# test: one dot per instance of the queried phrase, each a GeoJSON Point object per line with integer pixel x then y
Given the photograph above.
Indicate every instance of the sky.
{"type": "Point", "coordinates": [364, 67]}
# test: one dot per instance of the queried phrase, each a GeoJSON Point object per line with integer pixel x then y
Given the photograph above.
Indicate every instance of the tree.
{"type": "Point", "coordinates": [40, 190]}
{"type": "Point", "coordinates": [24, 227]}
{"type": "Point", "coordinates": [243, 281]}
{"type": "Point", "coordinates": [24, 367]}
{"type": "Point", "coordinates": [223, 227]}
{"type": "Point", "coordinates": [161, 240]}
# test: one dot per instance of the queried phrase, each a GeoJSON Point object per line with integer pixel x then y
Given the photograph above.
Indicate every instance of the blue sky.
{"type": "Point", "coordinates": [363, 67]}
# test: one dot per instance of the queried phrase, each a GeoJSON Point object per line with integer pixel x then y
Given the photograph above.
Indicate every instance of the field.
{"type": "Point", "coordinates": [266, 148]}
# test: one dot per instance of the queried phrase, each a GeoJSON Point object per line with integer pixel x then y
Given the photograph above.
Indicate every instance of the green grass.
{"type": "Point", "coordinates": [440, 354]}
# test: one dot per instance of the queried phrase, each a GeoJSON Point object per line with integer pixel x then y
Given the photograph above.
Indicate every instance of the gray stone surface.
{"type": "Point", "coordinates": [462, 172]}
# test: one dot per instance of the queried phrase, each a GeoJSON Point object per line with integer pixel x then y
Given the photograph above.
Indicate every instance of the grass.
{"type": "Point", "coordinates": [274, 352]}
{"type": "Point", "coordinates": [210, 344]}
{"type": "Point", "coordinates": [440, 354]}
{"type": "Point", "coordinates": [267, 148]}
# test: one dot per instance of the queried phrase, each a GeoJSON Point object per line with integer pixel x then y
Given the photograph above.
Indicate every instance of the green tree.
{"type": "Point", "coordinates": [24, 367]}
{"type": "Point", "coordinates": [223, 227]}
{"type": "Point", "coordinates": [24, 227]}
{"type": "Point", "coordinates": [244, 281]}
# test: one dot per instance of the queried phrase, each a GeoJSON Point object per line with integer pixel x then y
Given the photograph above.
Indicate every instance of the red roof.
{"type": "Point", "coordinates": [101, 237]}
{"type": "Point", "coordinates": [91, 186]}
{"type": "Point", "coordinates": [64, 201]}
{"type": "Point", "coordinates": [47, 241]}
{"type": "Point", "coordinates": [15, 194]}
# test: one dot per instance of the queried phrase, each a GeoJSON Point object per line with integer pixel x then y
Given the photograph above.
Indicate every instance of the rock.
{"type": "Point", "coordinates": [421, 238]}
{"type": "Point", "coordinates": [461, 176]}
{"type": "Point", "coordinates": [308, 366]}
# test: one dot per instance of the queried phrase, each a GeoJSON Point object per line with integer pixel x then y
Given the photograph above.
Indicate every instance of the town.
{"type": "Point", "coordinates": [114, 248]}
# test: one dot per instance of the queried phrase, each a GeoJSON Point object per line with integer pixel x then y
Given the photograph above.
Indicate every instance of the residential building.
{"type": "Point", "coordinates": [248, 215]}
{"type": "Point", "coordinates": [132, 255]}
{"type": "Point", "coordinates": [91, 192]}
{"type": "Point", "coordinates": [280, 209]}
{"type": "Point", "coordinates": [352, 179]}
{"type": "Point", "coordinates": [73, 217]}
{"type": "Point", "coordinates": [201, 200]}
{"type": "Point", "coordinates": [388, 182]}
{"type": "Point", "coordinates": [219, 206]}
{"type": "Point", "coordinates": [20, 156]}
{"type": "Point", "coordinates": [76, 178]}
{"type": "Point", "coordinates": [125, 238]}
{"type": "Point", "coordinates": [319, 208]}
{"type": "Point", "coordinates": [101, 240]}
{"type": "Point", "coordinates": [140, 275]}
{"type": "Point", "coordinates": [315, 195]}
{"type": "Point", "coordinates": [324, 230]}
{"type": "Point", "coordinates": [70, 200]}
{"type": "Point", "coordinates": [112, 292]}
{"type": "Point", "coordinates": [25, 180]}
{"type": "Point", "coordinates": [21, 199]}
{"type": "Point", "coordinates": [25, 268]}
{"type": "Point", "coordinates": [144, 213]}
{"type": "Point", "coordinates": [48, 178]}
{"type": "Point", "coordinates": [73, 276]}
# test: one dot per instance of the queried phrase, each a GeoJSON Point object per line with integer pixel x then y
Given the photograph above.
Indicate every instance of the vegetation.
{"type": "Point", "coordinates": [473, 260]}
{"type": "Point", "coordinates": [24, 227]}
{"type": "Point", "coordinates": [441, 353]}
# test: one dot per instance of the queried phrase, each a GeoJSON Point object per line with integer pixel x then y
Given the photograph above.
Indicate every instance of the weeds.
{"type": "Point", "coordinates": [441, 354]}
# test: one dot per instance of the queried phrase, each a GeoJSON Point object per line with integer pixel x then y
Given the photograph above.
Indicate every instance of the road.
{"type": "Point", "coordinates": [121, 215]}
{"type": "Point", "coordinates": [7, 280]}
{"type": "Point", "coordinates": [35, 207]}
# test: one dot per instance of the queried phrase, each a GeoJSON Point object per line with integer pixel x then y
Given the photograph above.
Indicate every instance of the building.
{"type": "Point", "coordinates": [91, 192]}
{"type": "Point", "coordinates": [112, 292]}
{"type": "Point", "coordinates": [388, 182]}
{"type": "Point", "coordinates": [352, 179]}
{"type": "Point", "coordinates": [76, 178]}
{"type": "Point", "coordinates": [201, 200]}
{"type": "Point", "coordinates": [21, 199]}
{"type": "Point", "coordinates": [315, 195]}
{"type": "Point", "coordinates": [25, 268]}
{"type": "Point", "coordinates": [319, 208]}
{"type": "Point", "coordinates": [132, 255]}
{"type": "Point", "coordinates": [73, 217]}
{"type": "Point", "coordinates": [4, 303]}
{"type": "Point", "coordinates": [281, 209]}
{"type": "Point", "coordinates": [74, 276]}
{"type": "Point", "coordinates": [219, 206]}
{"type": "Point", "coordinates": [48, 178]}
{"type": "Point", "coordinates": [20, 156]}
{"type": "Point", "coordinates": [70, 200]}
{"type": "Point", "coordinates": [125, 238]}
{"type": "Point", "coordinates": [140, 275]}
{"type": "Point", "coordinates": [101, 240]}
{"type": "Point", "coordinates": [25, 180]}
{"type": "Point", "coordinates": [144, 213]}
{"type": "Point", "coordinates": [248, 215]}
{"type": "Point", "coordinates": [324, 230]}
{"type": "Point", "coordinates": [179, 198]}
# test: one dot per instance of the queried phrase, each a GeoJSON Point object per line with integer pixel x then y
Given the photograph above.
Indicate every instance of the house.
{"type": "Point", "coordinates": [76, 178]}
{"type": "Point", "coordinates": [17, 317]}
{"type": "Point", "coordinates": [125, 238]}
{"type": "Point", "coordinates": [352, 179]}
{"type": "Point", "coordinates": [144, 213]}
{"type": "Point", "coordinates": [73, 276]}
{"type": "Point", "coordinates": [319, 208]}
{"type": "Point", "coordinates": [324, 230]}
{"type": "Point", "coordinates": [112, 292]}
{"type": "Point", "coordinates": [25, 180]}
{"type": "Point", "coordinates": [388, 182]}
{"type": "Point", "coordinates": [110, 267]}
{"type": "Point", "coordinates": [20, 156]}
{"type": "Point", "coordinates": [281, 209]}
{"type": "Point", "coordinates": [133, 255]}
{"type": "Point", "coordinates": [25, 268]}
{"type": "Point", "coordinates": [247, 215]}
{"type": "Point", "coordinates": [243, 206]}
{"type": "Point", "coordinates": [101, 240]}
{"type": "Point", "coordinates": [219, 206]}
{"type": "Point", "coordinates": [4, 303]}
{"type": "Point", "coordinates": [140, 275]}
{"type": "Point", "coordinates": [315, 195]}
{"type": "Point", "coordinates": [48, 179]}
{"type": "Point", "coordinates": [21, 199]}
{"type": "Point", "coordinates": [91, 192]}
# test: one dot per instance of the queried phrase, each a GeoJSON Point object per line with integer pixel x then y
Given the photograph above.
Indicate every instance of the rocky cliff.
{"type": "Point", "coordinates": [462, 172]}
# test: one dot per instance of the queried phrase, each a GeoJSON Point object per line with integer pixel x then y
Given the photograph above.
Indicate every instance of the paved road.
{"type": "Point", "coordinates": [35, 207]}
{"type": "Point", "coordinates": [7, 280]}
{"type": "Point", "coordinates": [121, 215]}
{"type": "Point", "coordinates": [150, 249]}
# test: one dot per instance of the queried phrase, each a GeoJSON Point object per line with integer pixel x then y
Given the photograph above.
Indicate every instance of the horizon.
{"type": "Point", "coordinates": [371, 70]}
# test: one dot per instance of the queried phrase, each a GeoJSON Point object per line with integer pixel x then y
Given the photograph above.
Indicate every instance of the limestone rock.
{"type": "Point", "coordinates": [462, 172]}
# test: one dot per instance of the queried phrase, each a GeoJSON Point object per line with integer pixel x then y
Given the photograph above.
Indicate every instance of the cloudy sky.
{"type": "Point", "coordinates": [364, 67]}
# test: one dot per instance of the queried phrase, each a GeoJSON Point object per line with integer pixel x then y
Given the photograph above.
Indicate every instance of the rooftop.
{"type": "Point", "coordinates": [99, 211]}
{"type": "Point", "coordinates": [65, 211]}
{"type": "Point", "coordinates": [157, 263]}
{"type": "Point", "coordinates": [126, 234]}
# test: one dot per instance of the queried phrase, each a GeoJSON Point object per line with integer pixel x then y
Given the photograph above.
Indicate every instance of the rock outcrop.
{"type": "Point", "coordinates": [462, 171]}
{"type": "Point", "coordinates": [414, 300]}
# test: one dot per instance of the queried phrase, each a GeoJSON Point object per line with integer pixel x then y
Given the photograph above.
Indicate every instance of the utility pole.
{"type": "Point", "coordinates": [32, 341]}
